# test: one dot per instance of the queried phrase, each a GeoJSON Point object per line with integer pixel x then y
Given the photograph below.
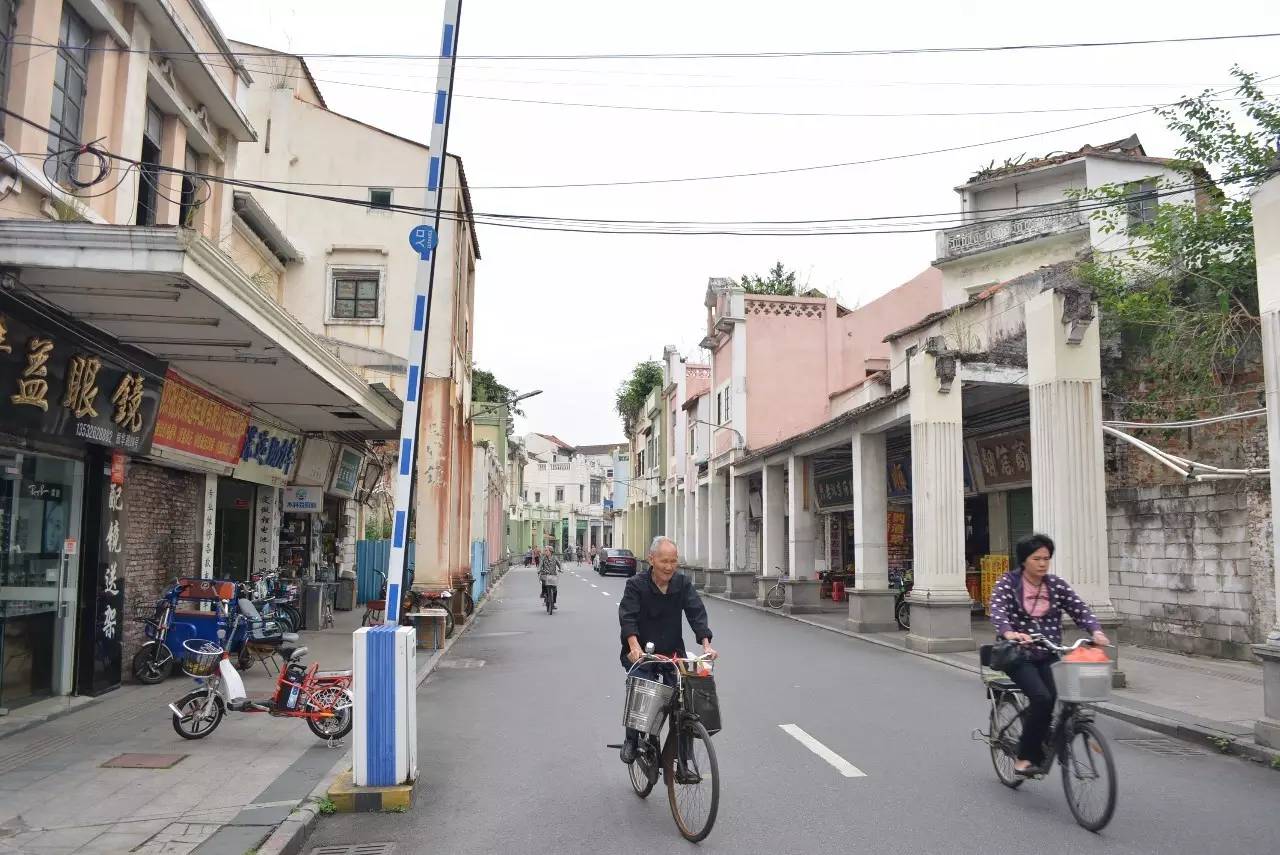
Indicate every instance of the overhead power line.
{"type": "Point", "coordinates": [857, 52]}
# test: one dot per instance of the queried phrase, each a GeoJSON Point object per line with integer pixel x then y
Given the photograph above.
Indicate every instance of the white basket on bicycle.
{"type": "Point", "coordinates": [646, 707]}
{"type": "Point", "coordinates": [1083, 682]}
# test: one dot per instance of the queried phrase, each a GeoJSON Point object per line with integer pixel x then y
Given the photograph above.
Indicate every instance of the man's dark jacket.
{"type": "Point", "coordinates": [651, 615]}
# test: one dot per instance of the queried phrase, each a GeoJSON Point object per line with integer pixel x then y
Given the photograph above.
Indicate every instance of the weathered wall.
{"type": "Point", "coordinates": [1184, 559]}
{"type": "Point", "coordinates": [165, 509]}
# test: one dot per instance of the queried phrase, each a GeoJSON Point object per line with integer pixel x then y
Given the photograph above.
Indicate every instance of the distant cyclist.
{"type": "Point", "coordinates": [549, 565]}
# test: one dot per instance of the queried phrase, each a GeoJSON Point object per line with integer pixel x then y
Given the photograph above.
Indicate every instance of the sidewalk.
{"type": "Point", "coordinates": [1190, 697]}
{"type": "Point", "coordinates": [225, 791]}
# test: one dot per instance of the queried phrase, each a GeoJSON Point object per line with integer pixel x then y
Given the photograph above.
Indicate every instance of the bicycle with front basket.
{"type": "Point", "coordinates": [687, 759]}
{"type": "Point", "coordinates": [1088, 768]}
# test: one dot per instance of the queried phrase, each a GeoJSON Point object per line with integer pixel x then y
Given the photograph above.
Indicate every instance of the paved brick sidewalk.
{"type": "Point", "coordinates": [56, 797]}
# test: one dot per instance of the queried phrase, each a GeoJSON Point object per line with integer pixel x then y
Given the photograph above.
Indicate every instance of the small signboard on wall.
{"type": "Point", "coordinates": [303, 500]}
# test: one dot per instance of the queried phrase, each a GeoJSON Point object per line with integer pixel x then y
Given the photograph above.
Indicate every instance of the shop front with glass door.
{"type": "Point", "coordinates": [40, 502]}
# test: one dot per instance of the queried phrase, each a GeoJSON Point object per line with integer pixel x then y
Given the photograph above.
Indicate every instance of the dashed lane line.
{"type": "Point", "coordinates": [841, 765]}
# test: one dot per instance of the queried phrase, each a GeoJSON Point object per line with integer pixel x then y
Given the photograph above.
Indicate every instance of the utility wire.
{"type": "Point", "coordinates": [604, 226]}
{"type": "Point", "coordinates": [722, 54]}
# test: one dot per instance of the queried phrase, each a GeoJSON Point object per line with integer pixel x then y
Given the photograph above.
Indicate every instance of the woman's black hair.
{"type": "Point", "coordinates": [1030, 544]}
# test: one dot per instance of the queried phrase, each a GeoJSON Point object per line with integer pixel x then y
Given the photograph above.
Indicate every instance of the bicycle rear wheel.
{"type": "Point", "coordinates": [696, 799]}
{"type": "Point", "coordinates": [775, 598]}
{"type": "Point", "coordinates": [551, 599]}
{"type": "Point", "coordinates": [1089, 776]}
{"type": "Point", "coordinates": [1006, 731]}
{"type": "Point", "coordinates": [644, 771]}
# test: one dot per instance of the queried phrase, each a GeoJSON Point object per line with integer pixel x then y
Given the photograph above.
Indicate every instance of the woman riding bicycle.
{"type": "Point", "coordinates": [1030, 599]}
{"type": "Point", "coordinates": [549, 565]}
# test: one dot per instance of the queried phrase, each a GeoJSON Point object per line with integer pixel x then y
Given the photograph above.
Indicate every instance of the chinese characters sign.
{"type": "Point", "coordinates": [72, 384]}
{"type": "Point", "coordinates": [267, 455]}
{"type": "Point", "coordinates": [834, 489]}
{"type": "Point", "coordinates": [109, 602]}
{"type": "Point", "coordinates": [196, 422]}
{"type": "Point", "coordinates": [1002, 460]}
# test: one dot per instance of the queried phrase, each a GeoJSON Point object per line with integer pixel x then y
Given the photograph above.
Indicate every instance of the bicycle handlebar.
{"type": "Point", "coordinates": [1037, 638]}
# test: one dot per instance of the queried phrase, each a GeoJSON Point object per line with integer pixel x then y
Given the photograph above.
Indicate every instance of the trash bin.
{"type": "Point", "coordinates": [313, 604]}
{"type": "Point", "coordinates": [346, 595]}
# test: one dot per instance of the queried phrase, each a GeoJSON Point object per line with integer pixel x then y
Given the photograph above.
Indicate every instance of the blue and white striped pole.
{"type": "Point", "coordinates": [423, 239]}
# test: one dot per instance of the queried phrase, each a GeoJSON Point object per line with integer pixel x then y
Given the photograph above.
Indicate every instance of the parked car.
{"type": "Point", "coordinates": [615, 561]}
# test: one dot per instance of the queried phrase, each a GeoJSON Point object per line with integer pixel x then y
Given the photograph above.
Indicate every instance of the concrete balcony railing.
{"type": "Point", "coordinates": [1013, 227]}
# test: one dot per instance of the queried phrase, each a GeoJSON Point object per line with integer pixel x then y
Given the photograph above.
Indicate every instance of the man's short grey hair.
{"type": "Point", "coordinates": [658, 541]}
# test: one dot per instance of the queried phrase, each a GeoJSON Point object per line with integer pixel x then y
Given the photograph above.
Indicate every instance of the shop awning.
{"type": "Point", "coordinates": [173, 294]}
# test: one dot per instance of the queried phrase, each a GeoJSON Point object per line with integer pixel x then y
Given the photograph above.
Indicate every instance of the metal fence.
{"type": "Point", "coordinates": [371, 556]}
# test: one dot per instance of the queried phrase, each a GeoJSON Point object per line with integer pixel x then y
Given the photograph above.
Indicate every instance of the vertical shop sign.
{"type": "Point", "coordinates": [266, 529]}
{"type": "Point", "coordinates": [210, 524]}
{"type": "Point", "coordinates": [109, 620]}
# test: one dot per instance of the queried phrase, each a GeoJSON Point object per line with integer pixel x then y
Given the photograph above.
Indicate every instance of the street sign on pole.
{"type": "Point", "coordinates": [423, 239]}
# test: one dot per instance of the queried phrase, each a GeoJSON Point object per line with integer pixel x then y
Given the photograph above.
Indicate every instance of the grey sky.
{"type": "Point", "coordinates": [570, 313]}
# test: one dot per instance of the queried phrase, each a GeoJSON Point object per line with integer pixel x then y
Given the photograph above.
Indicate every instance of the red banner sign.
{"type": "Point", "coordinates": [196, 422]}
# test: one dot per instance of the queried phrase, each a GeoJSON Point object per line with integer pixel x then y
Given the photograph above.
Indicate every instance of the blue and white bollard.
{"type": "Point", "coordinates": [384, 682]}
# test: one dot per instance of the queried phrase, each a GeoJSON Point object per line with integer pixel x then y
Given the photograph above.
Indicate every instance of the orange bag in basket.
{"type": "Point", "coordinates": [1087, 654]}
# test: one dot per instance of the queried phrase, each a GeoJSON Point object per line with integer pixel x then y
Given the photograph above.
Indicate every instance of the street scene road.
{"type": "Point", "coordinates": [513, 727]}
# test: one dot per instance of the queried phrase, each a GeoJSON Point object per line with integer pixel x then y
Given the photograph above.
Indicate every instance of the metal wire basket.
{"type": "Point", "coordinates": [200, 658]}
{"type": "Point", "coordinates": [1083, 682]}
{"type": "Point", "coordinates": [646, 707]}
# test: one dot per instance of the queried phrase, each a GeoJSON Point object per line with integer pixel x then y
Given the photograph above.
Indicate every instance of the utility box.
{"type": "Point", "coordinates": [384, 683]}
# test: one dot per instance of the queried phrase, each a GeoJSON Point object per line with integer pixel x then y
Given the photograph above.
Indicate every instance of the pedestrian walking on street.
{"type": "Point", "coordinates": [1030, 599]}
{"type": "Point", "coordinates": [652, 606]}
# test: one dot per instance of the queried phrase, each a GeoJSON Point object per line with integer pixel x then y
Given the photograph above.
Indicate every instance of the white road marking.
{"type": "Point", "coordinates": [843, 766]}
{"type": "Point", "coordinates": [594, 585]}
{"type": "Point", "coordinates": [606, 593]}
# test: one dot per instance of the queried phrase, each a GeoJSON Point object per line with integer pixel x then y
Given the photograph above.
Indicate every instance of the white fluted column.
{"type": "Point", "coordinates": [773, 561]}
{"type": "Point", "coordinates": [717, 531]}
{"type": "Point", "coordinates": [1266, 233]}
{"type": "Point", "coordinates": [739, 578]}
{"type": "Point", "coordinates": [940, 616]}
{"type": "Point", "coordinates": [870, 602]}
{"type": "Point", "coordinates": [1068, 480]}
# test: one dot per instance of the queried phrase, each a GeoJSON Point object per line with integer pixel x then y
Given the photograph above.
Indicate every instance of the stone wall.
{"type": "Point", "coordinates": [164, 508]}
{"type": "Point", "coordinates": [1184, 558]}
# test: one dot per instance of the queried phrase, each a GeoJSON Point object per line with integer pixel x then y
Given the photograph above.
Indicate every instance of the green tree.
{"type": "Point", "coordinates": [485, 388]}
{"type": "Point", "coordinates": [634, 391]}
{"type": "Point", "coordinates": [778, 281]}
{"type": "Point", "coordinates": [1183, 303]}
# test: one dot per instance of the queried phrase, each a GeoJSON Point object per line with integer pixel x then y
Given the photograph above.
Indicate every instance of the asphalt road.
{"type": "Point", "coordinates": [513, 755]}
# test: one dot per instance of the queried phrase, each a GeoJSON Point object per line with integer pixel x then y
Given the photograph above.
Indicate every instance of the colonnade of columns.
{"type": "Point", "coordinates": [1064, 379]}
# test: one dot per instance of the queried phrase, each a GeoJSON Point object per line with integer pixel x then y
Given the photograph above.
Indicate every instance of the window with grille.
{"type": "Point", "coordinates": [7, 19]}
{"type": "Point", "coordinates": [379, 199]}
{"type": "Point", "coordinates": [149, 166]}
{"type": "Point", "coordinates": [559, 494]}
{"type": "Point", "coordinates": [1144, 199]}
{"type": "Point", "coordinates": [70, 83]}
{"type": "Point", "coordinates": [357, 296]}
{"type": "Point", "coordinates": [595, 492]}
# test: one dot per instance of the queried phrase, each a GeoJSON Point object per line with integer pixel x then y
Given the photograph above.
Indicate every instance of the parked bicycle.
{"type": "Point", "coordinates": [902, 581]}
{"type": "Point", "coordinates": [324, 699]}
{"type": "Point", "coordinates": [777, 595]}
{"type": "Point", "coordinates": [687, 759]}
{"type": "Point", "coordinates": [1088, 769]}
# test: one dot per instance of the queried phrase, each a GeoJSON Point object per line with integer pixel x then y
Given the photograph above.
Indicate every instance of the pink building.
{"type": "Point", "coordinates": [781, 366]}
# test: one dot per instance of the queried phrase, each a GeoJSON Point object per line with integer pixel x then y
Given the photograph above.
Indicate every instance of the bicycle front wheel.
{"type": "Point", "coordinates": [1006, 732]}
{"type": "Point", "coordinates": [693, 782]}
{"type": "Point", "coordinates": [1089, 776]}
{"type": "Point", "coordinates": [644, 771]}
{"type": "Point", "coordinates": [775, 598]}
